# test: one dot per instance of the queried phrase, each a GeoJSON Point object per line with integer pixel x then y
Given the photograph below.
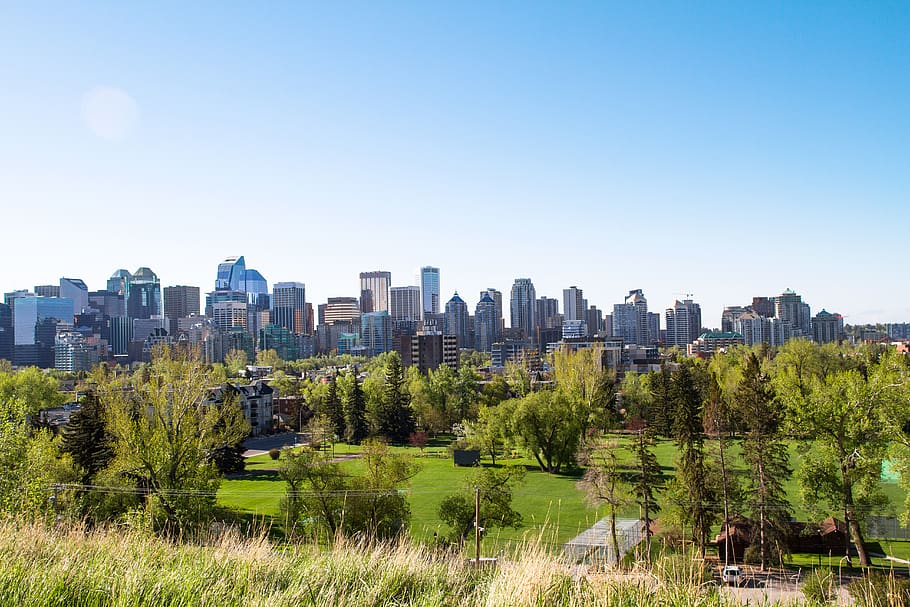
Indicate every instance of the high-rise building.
{"type": "Point", "coordinates": [573, 304]}
{"type": "Point", "coordinates": [374, 291]}
{"type": "Point", "coordinates": [230, 314]}
{"type": "Point", "coordinates": [6, 332]}
{"type": "Point", "coordinates": [75, 289]}
{"type": "Point", "coordinates": [289, 306]}
{"type": "Point", "coordinates": [630, 319]}
{"type": "Point", "coordinates": [496, 296]}
{"type": "Point", "coordinates": [280, 339]}
{"type": "Point", "coordinates": [231, 274]}
{"type": "Point", "coordinates": [405, 304]}
{"type": "Point", "coordinates": [789, 307]}
{"type": "Point", "coordinates": [180, 301]}
{"type": "Point", "coordinates": [547, 314]}
{"type": "Point", "coordinates": [827, 327]}
{"type": "Point", "coordinates": [35, 328]}
{"type": "Point", "coordinates": [457, 320]}
{"type": "Point", "coordinates": [375, 333]}
{"type": "Point", "coordinates": [594, 319]}
{"type": "Point", "coordinates": [429, 290]}
{"type": "Point", "coordinates": [119, 282]}
{"type": "Point", "coordinates": [144, 298]}
{"type": "Point", "coordinates": [431, 350]}
{"type": "Point", "coordinates": [683, 322]}
{"type": "Point", "coordinates": [47, 290]}
{"type": "Point", "coordinates": [486, 323]}
{"type": "Point", "coordinates": [339, 309]}
{"type": "Point", "coordinates": [522, 302]}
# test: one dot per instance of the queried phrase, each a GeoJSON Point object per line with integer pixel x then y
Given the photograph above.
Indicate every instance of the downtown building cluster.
{"type": "Point", "coordinates": [71, 328]}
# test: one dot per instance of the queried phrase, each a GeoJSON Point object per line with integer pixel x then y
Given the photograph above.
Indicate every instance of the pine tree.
{"type": "Point", "coordinates": [395, 418]}
{"type": "Point", "coordinates": [766, 454]}
{"type": "Point", "coordinates": [660, 413]}
{"type": "Point", "coordinates": [355, 416]}
{"type": "Point", "coordinates": [334, 409]}
{"type": "Point", "coordinates": [648, 478]}
{"type": "Point", "coordinates": [86, 439]}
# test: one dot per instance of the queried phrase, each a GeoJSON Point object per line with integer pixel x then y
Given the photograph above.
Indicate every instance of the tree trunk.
{"type": "Point", "coordinates": [723, 474]}
{"type": "Point", "coordinates": [763, 545]}
{"type": "Point", "coordinates": [852, 524]}
{"type": "Point", "coordinates": [616, 556]}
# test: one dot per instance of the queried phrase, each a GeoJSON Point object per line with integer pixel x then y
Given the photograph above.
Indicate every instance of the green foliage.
{"type": "Point", "coordinates": [496, 486]}
{"type": "Point", "coordinates": [86, 438]}
{"type": "Point", "coordinates": [333, 409]}
{"type": "Point", "coordinates": [316, 493]}
{"type": "Point", "coordinates": [269, 358]}
{"type": "Point", "coordinates": [354, 406]}
{"type": "Point", "coordinates": [393, 417]}
{"type": "Point", "coordinates": [228, 459]}
{"type": "Point", "coordinates": [164, 431]}
{"type": "Point", "coordinates": [235, 362]}
{"type": "Point", "coordinates": [274, 453]}
{"type": "Point", "coordinates": [549, 425]}
{"type": "Point", "coordinates": [488, 433]}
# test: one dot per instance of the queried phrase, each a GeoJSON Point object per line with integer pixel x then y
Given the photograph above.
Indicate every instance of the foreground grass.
{"type": "Point", "coordinates": [68, 566]}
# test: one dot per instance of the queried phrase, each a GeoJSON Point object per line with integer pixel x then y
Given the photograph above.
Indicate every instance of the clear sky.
{"type": "Point", "coordinates": [724, 149]}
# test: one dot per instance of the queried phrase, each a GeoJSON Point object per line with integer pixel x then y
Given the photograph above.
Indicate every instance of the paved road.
{"type": "Point", "coordinates": [261, 444]}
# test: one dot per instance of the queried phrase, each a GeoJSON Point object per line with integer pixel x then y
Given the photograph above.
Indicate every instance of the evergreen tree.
{"type": "Point", "coordinates": [86, 439]}
{"type": "Point", "coordinates": [700, 509]}
{"type": "Point", "coordinates": [394, 416]}
{"type": "Point", "coordinates": [766, 454]}
{"type": "Point", "coordinates": [333, 409]}
{"type": "Point", "coordinates": [648, 478]}
{"type": "Point", "coordinates": [355, 413]}
{"type": "Point", "coordinates": [660, 412]}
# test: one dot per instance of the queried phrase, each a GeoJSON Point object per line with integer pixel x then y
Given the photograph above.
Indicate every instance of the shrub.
{"type": "Point", "coordinates": [274, 453]}
{"type": "Point", "coordinates": [879, 590]}
{"type": "Point", "coordinates": [820, 586]}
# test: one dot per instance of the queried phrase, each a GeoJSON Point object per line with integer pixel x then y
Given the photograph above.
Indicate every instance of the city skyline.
{"type": "Point", "coordinates": [722, 150]}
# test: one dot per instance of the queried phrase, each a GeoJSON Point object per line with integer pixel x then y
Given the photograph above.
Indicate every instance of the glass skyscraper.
{"type": "Point", "coordinates": [429, 289]}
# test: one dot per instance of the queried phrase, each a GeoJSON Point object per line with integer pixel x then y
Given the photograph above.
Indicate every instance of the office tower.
{"type": "Point", "coordinates": [594, 319]}
{"type": "Point", "coordinates": [6, 332]}
{"type": "Point", "coordinates": [289, 306]}
{"type": "Point", "coordinates": [279, 339]}
{"type": "Point", "coordinates": [546, 313]}
{"type": "Point", "coordinates": [310, 320]}
{"type": "Point", "coordinates": [144, 298]}
{"type": "Point", "coordinates": [231, 274]}
{"type": "Point", "coordinates": [228, 314]}
{"type": "Point", "coordinates": [35, 321]}
{"type": "Point", "coordinates": [630, 319]}
{"type": "Point", "coordinates": [375, 332]}
{"type": "Point", "coordinates": [339, 310]}
{"type": "Point", "coordinates": [827, 327]}
{"type": "Point", "coordinates": [457, 320]}
{"type": "Point", "coordinates": [75, 289]}
{"type": "Point", "coordinates": [47, 290]}
{"type": "Point", "coordinates": [429, 290]}
{"type": "Point", "coordinates": [119, 282]}
{"type": "Point", "coordinates": [522, 302]}
{"type": "Point", "coordinates": [683, 322]}
{"type": "Point", "coordinates": [573, 304]}
{"type": "Point", "coordinates": [374, 291]}
{"type": "Point", "coordinates": [405, 304]}
{"type": "Point", "coordinates": [257, 289]}
{"type": "Point", "coordinates": [789, 307]}
{"type": "Point", "coordinates": [486, 323]}
{"type": "Point", "coordinates": [180, 302]}
{"type": "Point", "coordinates": [763, 306]}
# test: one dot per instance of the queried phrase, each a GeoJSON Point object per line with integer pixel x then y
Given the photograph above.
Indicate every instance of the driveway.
{"type": "Point", "coordinates": [258, 445]}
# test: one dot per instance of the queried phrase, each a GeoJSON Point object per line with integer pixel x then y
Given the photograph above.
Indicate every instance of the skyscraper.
{"type": "Point", "coordinates": [6, 332]}
{"type": "Point", "coordinates": [180, 301]}
{"type": "Point", "coordinates": [35, 328]}
{"type": "Point", "coordinates": [486, 323]}
{"type": "Point", "coordinates": [144, 299]}
{"type": "Point", "coordinates": [457, 320]}
{"type": "Point", "coordinates": [573, 305]}
{"type": "Point", "coordinates": [522, 303]}
{"type": "Point", "coordinates": [75, 289]}
{"type": "Point", "coordinates": [496, 296]}
{"type": "Point", "coordinates": [374, 291]}
{"type": "Point", "coordinates": [339, 309]}
{"type": "Point", "coordinates": [375, 332]}
{"type": "Point", "coordinates": [429, 289]}
{"type": "Point", "coordinates": [289, 306]}
{"type": "Point", "coordinates": [547, 313]}
{"type": "Point", "coordinates": [232, 274]}
{"type": "Point", "coordinates": [405, 304]}
{"type": "Point", "coordinates": [683, 323]}
{"type": "Point", "coordinates": [789, 307]}
{"type": "Point", "coordinates": [630, 319]}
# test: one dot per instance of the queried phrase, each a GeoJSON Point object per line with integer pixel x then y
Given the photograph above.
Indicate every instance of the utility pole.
{"type": "Point", "coordinates": [477, 527]}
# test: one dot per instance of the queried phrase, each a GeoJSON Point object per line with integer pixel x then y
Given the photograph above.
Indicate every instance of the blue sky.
{"type": "Point", "coordinates": [721, 149]}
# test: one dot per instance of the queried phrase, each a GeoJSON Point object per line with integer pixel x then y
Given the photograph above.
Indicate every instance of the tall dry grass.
{"type": "Point", "coordinates": [76, 567]}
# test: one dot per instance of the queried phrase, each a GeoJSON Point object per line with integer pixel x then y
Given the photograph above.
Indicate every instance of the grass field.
{"type": "Point", "coordinates": [553, 508]}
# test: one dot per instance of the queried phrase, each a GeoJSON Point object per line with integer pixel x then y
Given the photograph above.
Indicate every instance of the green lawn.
{"type": "Point", "coordinates": [554, 509]}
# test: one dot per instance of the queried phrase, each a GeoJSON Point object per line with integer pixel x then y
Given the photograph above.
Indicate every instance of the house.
{"type": "Point", "coordinates": [255, 400]}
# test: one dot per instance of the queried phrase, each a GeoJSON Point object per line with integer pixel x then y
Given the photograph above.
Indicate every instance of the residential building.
{"type": "Point", "coordinates": [789, 307]}
{"type": "Point", "coordinates": [709, 343]}
{"type": "Point", "coordinates": [899, 330]}
{"type": "Point", "coordinates": [486, 323]}
{"type": "Point", "coordinates": [496, 296]}
{"type": "Point", "coordinates": [75, 352]}
{"type": "Point", "coordinates": [827, 327]}
{"type": "Point", "coordinates": [374, 291]}
{"type": "Point", "coordinates": [574, 329]}
{"type": "Point", "coordinates": [456, 322]}
{"type": "Point", "coordinates": [573, 304]}
{"type": "Point", "coordinates": [594, 318]}
{"type": "Point", "coordinates": [256, 400]}
{"type": "Point", "coordinates": [547, 313]}
{"type": "Point", "coordinates": [683, 322]}
{"type": "Point", "coordinates": [630, 319]}
{"type": "Point", "coordinates": [522, 303]}
{"type": "Point", "coordinates": [429, 290]}
{"type": "Point", "coordinates": [431, 350]}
